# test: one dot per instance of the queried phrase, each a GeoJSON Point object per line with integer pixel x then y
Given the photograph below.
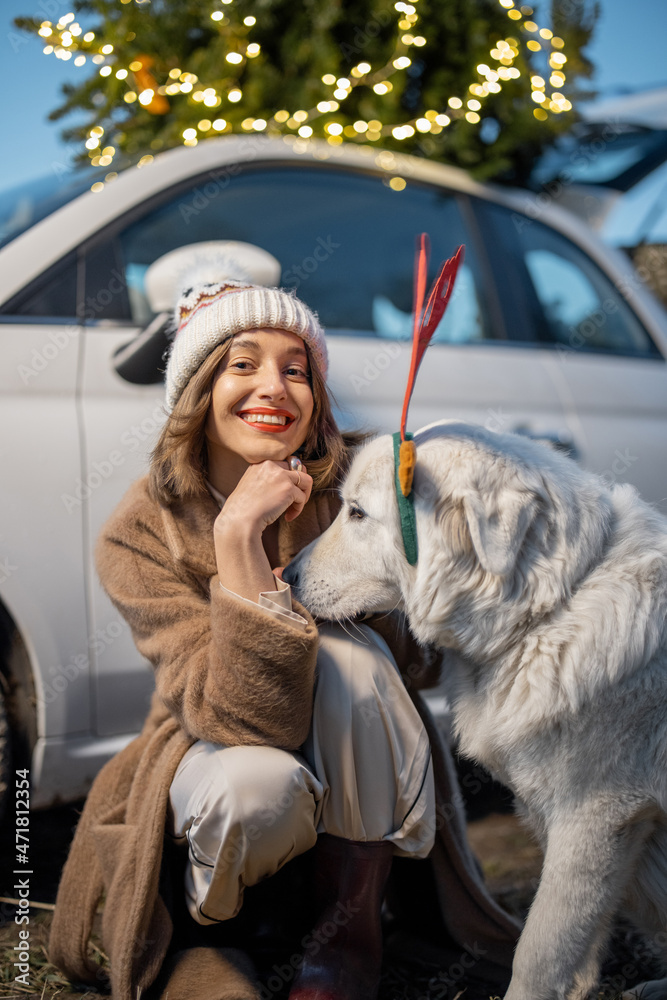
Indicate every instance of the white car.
{"type": "Point", "coordinates": [548, 333]}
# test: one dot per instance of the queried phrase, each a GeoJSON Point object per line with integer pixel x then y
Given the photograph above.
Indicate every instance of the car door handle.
{"type": "Point", "coordinates": [560, 440]}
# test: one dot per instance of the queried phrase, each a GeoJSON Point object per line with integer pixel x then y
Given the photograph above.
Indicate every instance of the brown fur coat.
{"type": "Point", "coordinates": [225, 673]}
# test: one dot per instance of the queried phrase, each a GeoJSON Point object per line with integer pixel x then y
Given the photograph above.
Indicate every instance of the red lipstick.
{"type": "Point", "coordinates": [271, 411]}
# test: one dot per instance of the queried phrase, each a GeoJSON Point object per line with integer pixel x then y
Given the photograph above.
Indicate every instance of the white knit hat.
{"type": "Point", "coordinates": [221, 300]}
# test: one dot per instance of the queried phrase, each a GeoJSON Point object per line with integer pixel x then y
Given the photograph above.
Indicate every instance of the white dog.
{"type": "Point", "coordinates": [552, 589]}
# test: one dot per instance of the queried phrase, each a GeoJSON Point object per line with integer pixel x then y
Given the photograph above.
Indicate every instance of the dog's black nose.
{"type": "Point", "coordinates": [290, 575]}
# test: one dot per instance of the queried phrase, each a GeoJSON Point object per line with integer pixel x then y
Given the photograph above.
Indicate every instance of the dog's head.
{"type": "Point", "coordinates": [505, 527]}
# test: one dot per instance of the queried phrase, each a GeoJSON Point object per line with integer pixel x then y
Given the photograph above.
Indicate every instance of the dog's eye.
{"type": "Point", "coordinates": [356, 513]}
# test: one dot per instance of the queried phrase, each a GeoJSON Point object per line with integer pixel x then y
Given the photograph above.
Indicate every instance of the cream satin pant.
{"type": "Point", "coordinates": [365, 773]}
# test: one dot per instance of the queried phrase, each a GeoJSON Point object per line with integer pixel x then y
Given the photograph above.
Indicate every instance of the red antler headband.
{"type": "Point", "coordinates": [425, 322]}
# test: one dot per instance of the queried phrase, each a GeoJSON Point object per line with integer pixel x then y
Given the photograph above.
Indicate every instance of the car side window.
{"type": "Point", "coordinates": [52, 296]}
{"type": "Point", "coordinates": [567, 300]}
{"type": "Point", "coordinates": [345, 242]}
{"type": "Point", "coordinates": [582, 308]}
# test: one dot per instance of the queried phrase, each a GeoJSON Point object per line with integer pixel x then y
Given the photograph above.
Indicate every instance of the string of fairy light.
{"type": "Point", "coordinates": [67, 40]}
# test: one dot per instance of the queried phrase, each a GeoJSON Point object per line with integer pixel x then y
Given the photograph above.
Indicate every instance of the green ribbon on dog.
{"type": "Point", "coordinates": [406, 506]}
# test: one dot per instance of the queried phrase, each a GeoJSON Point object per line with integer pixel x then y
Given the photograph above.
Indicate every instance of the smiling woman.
{"type": "Point", "coordinates": [262, 388]}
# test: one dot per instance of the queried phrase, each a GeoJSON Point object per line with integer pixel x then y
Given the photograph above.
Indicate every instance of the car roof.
{"type": "Point", "coordinates": [65, 229]}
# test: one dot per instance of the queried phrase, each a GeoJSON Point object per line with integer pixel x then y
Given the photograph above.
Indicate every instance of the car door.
{"type": "Point", "coordinates": [42, 552]}
{"type": "Point", "coordinates": [609, 371]}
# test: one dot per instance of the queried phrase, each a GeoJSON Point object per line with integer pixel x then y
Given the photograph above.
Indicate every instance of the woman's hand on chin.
{"type": "Point", "coordinates": [264, 492]}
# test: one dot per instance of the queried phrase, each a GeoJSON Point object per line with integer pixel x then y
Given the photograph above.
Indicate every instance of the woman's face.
{"type": "Point", "coordinates": [262, 403]}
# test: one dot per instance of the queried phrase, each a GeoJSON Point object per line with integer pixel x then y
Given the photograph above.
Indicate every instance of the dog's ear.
{"type": "Point", "coordinates": [498, 523]}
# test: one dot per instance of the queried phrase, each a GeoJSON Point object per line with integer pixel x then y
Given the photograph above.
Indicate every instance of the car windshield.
{"type": "Point", "coordinates": [24, 205]}
{"type": "Point", "coordinates": [611, 154]}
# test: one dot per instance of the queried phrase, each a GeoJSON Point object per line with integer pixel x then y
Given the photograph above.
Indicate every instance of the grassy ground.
{"type": "Point", "coordinates": [511, 864]}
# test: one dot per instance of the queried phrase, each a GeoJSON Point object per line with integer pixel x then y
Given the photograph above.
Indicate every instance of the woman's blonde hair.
{"type": "Point", "coordinates": [179, 461]}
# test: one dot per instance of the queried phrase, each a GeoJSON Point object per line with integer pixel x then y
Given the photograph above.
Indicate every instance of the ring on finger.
{"type": "Point", "coordinates": [298, 479]}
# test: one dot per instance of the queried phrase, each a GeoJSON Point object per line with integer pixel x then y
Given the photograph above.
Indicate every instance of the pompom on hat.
{"type": "Point", "coordinates": [225, 292]}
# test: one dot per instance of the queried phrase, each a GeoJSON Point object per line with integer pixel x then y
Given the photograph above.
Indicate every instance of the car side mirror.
{"type": "Point", "coordinates": [142, 361]}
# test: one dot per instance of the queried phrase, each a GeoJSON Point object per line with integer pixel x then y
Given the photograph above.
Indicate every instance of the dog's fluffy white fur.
{"type": "Point", "coordinates": [551, 588]}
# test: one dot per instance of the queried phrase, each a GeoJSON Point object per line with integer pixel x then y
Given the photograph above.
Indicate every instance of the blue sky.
{"type": "Point", "coordinates": [628, 50]}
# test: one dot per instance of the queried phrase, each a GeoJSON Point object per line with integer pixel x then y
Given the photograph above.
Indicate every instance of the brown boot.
{"type": "Point", "coordinates": [343, 957]}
